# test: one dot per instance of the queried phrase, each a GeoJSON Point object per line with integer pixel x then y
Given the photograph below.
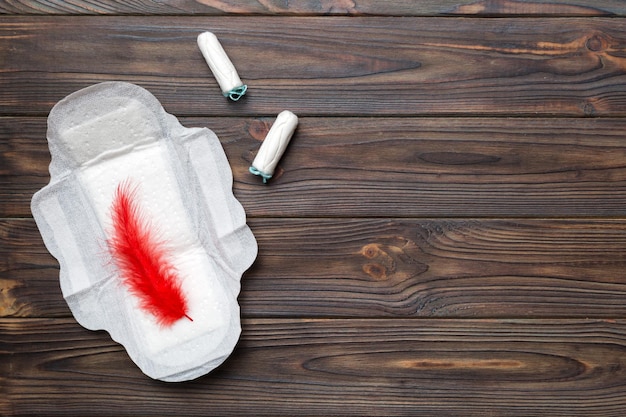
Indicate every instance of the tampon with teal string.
{"type": "Point", "coordinates": [274, 145]}
{"type": "Point", "coordinates": [221, 66]}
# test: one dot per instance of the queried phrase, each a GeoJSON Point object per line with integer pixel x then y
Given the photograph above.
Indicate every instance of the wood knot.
{"type": "Point", "coordinates": [589, 109]}
{"type": "Point", "coordinates": [9, 304]}
{"type": "Point", "coordinates": [596, 43]}
{"type": "Point", "coordinates": [370, 251]}
{"type": "Point", "coordinates": [258, 129]}
{"type": "Point", "coordinates": [384, 264]}
{"type": "Point", "coordinates": [376, 271]}
{"type": "Point", "coordinates": [392, 258]}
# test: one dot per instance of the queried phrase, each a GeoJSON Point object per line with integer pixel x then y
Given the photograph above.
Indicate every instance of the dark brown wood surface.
{"type": "Point", "coordinates": [340, 66]}
{"type": "Point", "coordinates": [446, 234]}
{"type": "Point", "coordinates": [325, 7]}
{"type": "Point", "coordinates": [334, 367]}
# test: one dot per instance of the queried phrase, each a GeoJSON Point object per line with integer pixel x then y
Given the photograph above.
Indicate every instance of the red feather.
{"type": "Point", "coordinates": [142, 260]}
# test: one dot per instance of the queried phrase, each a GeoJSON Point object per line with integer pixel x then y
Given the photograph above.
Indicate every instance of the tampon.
{"type": "Point", "coordinates": [221, 66]}
{"type": "Point", "coordinates": [274, 145]}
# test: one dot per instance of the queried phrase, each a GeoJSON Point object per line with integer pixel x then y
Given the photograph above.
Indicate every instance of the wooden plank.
{"type": "Point", "coordinates": [322, 66]}
{"type": "Point", "coordinates": [331, 367]}
{"type": "Point", "coordinates": [392, 167]}
{"type": "Point", "coordinates": [29, 275]}
{"type": "Point", "coordinates": [387, 268]}
{"type": "Point", "coordinates": [330, 7]}
{"type": "Point", "coordinates": [441, 267]}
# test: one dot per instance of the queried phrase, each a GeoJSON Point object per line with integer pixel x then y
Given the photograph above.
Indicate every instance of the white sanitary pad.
{"type": "Point", "coordinates": [113, 132]}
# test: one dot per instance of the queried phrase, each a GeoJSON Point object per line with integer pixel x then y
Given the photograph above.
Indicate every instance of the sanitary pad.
{"type": "Point", "coordinates": [114, 134]}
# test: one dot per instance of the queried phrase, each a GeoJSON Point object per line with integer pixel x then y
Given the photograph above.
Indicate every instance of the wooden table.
{"type": "Point", "coordinates": [446, 234]}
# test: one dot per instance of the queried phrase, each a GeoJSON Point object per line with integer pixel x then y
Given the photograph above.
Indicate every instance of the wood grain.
{"type": "Point", "coordinates": [338, 367]}
{"type": "Point", "coordinates": [350, 66]}
{"type": "Point", "coordinates": [402, 167]}
{"type": "Point", "coordinates": [444, 236]}
{"type": "Point", "coordinates": [327, 7]}
{"type": "Point", "coordinates": [388, 268]}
